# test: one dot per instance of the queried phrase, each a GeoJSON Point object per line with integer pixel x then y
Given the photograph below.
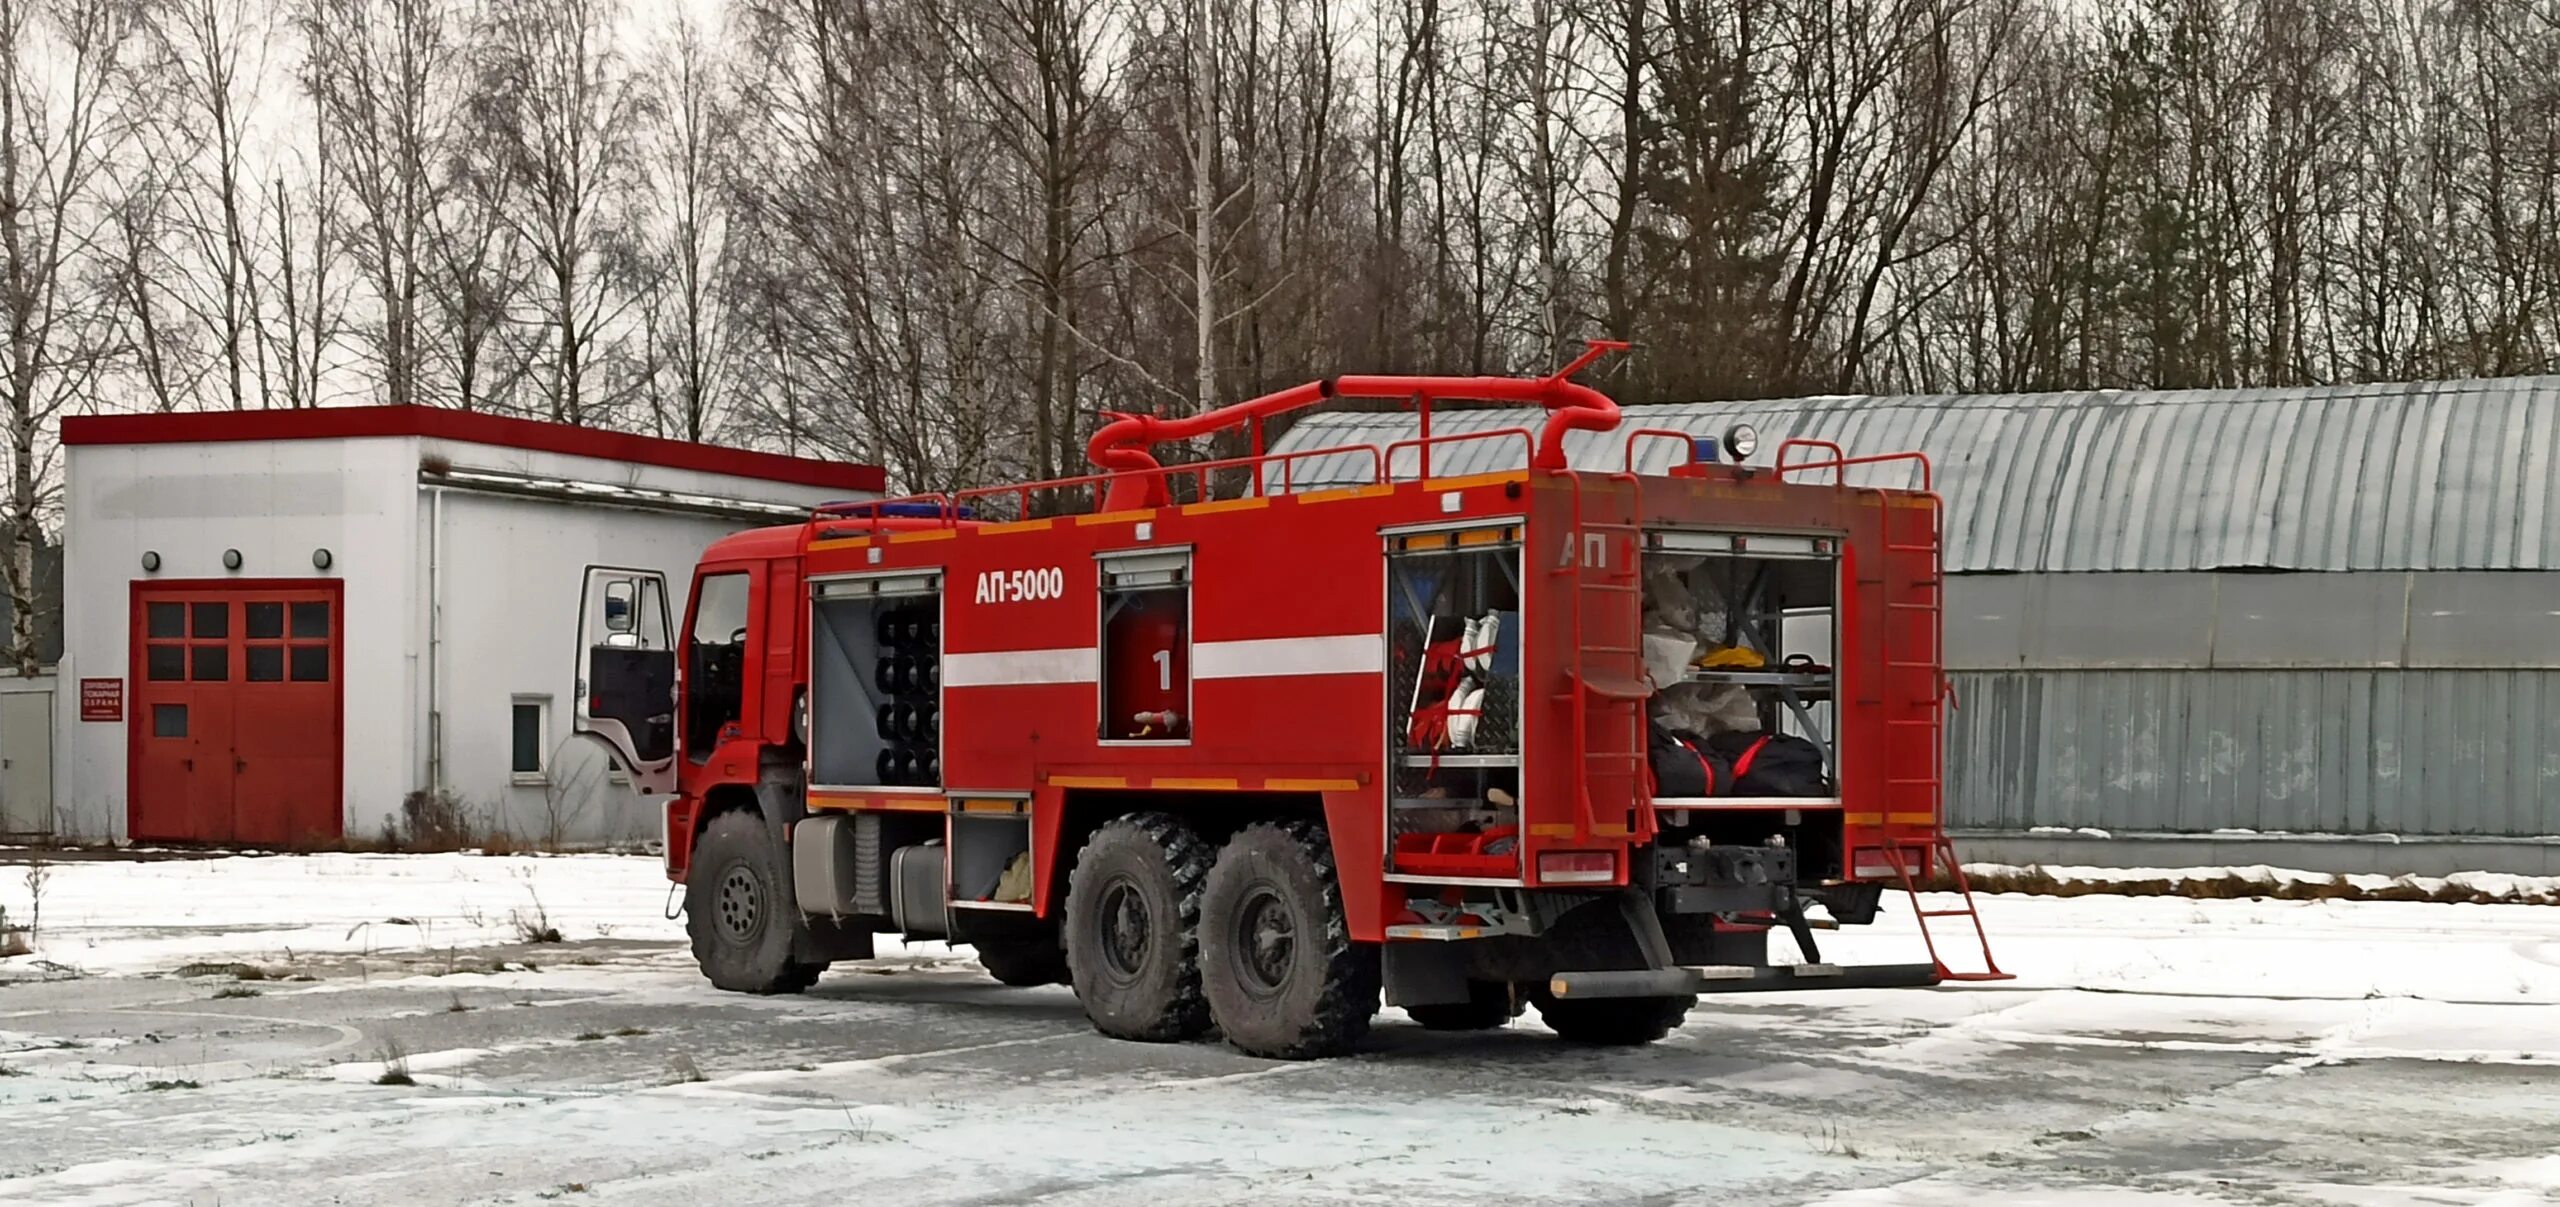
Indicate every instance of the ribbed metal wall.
{"type": "Point", "coordinates": [2441, 619]}
{"type": "Point", "coordinates": [2336, 752]}
{"type": "Point", "coordinates": [2439, 475]}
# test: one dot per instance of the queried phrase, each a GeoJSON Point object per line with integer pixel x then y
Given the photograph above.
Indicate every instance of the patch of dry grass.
{"type": "Point", "coordinates": [2039, 882]}
{"type": "Point", "coordinates": [395, 1065]}
{"type": "Point", "coordinates": [237, 972]}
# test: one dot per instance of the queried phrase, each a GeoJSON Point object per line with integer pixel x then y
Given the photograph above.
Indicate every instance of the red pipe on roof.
{"type": "Point", "coordinates": [1124, 445]}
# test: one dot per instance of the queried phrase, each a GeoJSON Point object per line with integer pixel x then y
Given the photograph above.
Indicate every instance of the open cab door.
{"type": "Point", "coordinates": [627, 673]}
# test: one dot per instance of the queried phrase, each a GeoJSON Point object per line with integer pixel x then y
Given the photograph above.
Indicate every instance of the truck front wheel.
{"type": "Point", "coordinates": [1614, 1021]}
{"type": "Point", "coordinates": [1283, 976]}
{"type": "Point", "coordinates": [738, 911]}
{"type": "Point", "coordinates": [1133, 928]}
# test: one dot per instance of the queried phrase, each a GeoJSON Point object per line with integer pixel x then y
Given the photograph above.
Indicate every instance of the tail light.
{"type": "Point", "coordinates": [1578, 867]}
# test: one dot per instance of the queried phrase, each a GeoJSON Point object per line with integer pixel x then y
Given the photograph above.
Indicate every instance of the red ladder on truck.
{"type": "Point", "coordinates": [1929, 692]}
{"type": "Point", "coordinates": [1610, 697]}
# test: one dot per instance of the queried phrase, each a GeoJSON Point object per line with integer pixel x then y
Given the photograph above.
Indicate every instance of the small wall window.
{"type": "Point", "coordinates": [531, 733]}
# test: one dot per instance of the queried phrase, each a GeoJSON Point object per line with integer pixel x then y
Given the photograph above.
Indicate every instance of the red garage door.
{"type": "Point", "coordinates": [235, 715]}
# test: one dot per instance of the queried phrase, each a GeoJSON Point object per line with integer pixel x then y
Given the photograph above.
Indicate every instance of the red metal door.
{"type": "Point", "coordinates": [236, 722]}
{"type": "Point", "coordinates": [286, 747]}
{"type": "Point", "coordinates": [181, 719]}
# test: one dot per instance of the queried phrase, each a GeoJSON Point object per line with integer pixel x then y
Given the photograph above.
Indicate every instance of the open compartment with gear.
{"type": "Point", "coordinates": [1741, 637]}
{"type": "Point", "coordinates": [875, 682]}
{"type": "Point", "coordinates": [1453, 706]}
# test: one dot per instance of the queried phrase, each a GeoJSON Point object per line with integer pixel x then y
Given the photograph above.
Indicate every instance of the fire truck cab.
{"type": "Point", "coordinates": [1221, 751]}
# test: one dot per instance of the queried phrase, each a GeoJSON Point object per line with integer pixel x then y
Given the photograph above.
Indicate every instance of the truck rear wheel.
{"type": "Point", "coordinates": [1024, 962]}
{"type": "Point", "coordinates": [738, 911]}
{"type": "Point", "coordinates": [1283, 977]}
{"type": "Point", "coordinates": [1614, 1021]}
{"type": "Point", "coordinates": [1489, 1004]}
{"type": "Point", "coordinates": [1133, 928]}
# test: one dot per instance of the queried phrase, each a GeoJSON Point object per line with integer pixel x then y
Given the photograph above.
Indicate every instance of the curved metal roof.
{"type": "Point", "coordinates": [2425, 476]}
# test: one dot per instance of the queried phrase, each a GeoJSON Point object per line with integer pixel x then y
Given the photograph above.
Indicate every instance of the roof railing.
{"type": "Point", "coordinates": [1839, 461]}
{"type": "Point", "coordinates": [1125, 445]}
{"type": "Point", "coordinates": [1688, 445]}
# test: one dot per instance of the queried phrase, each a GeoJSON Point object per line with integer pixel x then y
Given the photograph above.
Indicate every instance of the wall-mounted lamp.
{"type": "Point", "coordinates": [320, 559]}
{"type": "Point", "coordinates": [150, 562]}
{"type": "Point", "coordinates": [230, 559]}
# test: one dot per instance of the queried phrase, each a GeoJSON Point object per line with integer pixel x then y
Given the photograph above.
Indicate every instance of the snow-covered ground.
{"type": "Point", "coordinates": [2152, 1050]}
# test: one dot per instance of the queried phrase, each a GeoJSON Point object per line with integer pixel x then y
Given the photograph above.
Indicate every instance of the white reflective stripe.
{"type": "Point", "coordinates": [1350, 654]}
{"type": "Point", "coordinates": [1011, 668]}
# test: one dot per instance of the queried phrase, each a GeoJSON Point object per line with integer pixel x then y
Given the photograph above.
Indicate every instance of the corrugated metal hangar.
{"type": "Point", "coordinates": [2199, 619]}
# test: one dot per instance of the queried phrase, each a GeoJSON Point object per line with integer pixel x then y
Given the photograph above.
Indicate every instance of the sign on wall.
{"type": "Point", "coordinates": [102, 699]}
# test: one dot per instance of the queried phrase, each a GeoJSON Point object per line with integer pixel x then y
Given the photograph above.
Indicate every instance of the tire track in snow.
{"type": "Point", "coordinates": [348, 1037]}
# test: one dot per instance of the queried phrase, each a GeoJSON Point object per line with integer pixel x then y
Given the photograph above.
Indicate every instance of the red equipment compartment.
{"type": "Point", "coordinates": [1147, 679]}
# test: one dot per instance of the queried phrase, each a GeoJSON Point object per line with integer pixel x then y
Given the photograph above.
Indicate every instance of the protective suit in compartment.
{"type": "Point", "coordinates": [1677, 624]}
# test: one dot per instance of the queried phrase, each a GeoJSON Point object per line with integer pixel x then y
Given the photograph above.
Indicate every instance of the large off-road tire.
{"type": "Point", "coordinates": [1615, 1021]}
{"type": "Point", "coordinates": [1489, 1004]}
{"type": "Point", "coordinates": [1283, 976]}
{"type": "Point", "coordinates": [739, 912]}
{"type": "Point", "coordinates": [1133, 928]}
{"type": "Point", "coordinates": [1025, 962]}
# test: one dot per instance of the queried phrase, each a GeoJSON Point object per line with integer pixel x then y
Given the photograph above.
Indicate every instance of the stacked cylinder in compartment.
{"type": "Point", "coordinates": [909, 682]}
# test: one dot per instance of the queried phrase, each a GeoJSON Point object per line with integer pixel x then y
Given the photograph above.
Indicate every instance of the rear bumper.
{"type": "Point", "coordinates": [1739, 978]}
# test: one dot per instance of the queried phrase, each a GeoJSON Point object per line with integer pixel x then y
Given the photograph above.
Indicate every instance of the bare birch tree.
{"type": "Point", "coordinates": [1038, 69]}
{"type": "Point", "coordinates": [563, 107]}
{"type": "Point", "coordinates": [307, 293]}
{"type": "Point", "coordinates": [688, 337]}
{"type": "Point", "coordinates": [65, 117]}
{"type": "Point", "coordinates": [382, 75]}
{"type": "Point", "coordinates": [211, 59]}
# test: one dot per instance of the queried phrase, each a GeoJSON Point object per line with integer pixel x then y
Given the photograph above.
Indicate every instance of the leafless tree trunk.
{"type": "Point", "coordinates": [306, 251]}
{"type": "Point", "coordinates": [163, 349]}
{"type": "Point", "coordinates": [1545, 48]}
{"type": "Point", "coordinates": [563, 106]}
{"type": "Point", "coordinates": [476, 274]}
{"type": "Point", "coordinates": [210, 55]}
{"type": "Point", "coordinates": [383, 76]}
{"type": "Point", "coordinates": [1200, 40]}
{"type": "Point", "coordinates": [1038, 71]}
{"type": "Point", "coordinates": [64, 68]}
{"type": "Point", "coordinates": [686, 328]}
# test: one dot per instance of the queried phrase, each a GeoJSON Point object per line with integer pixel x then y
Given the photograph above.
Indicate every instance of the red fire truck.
{"type": "Point", "coordinates": [1223, 751]}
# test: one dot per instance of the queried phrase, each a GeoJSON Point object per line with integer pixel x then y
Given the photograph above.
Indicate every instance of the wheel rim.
{"type": "Point", "coordinates": [741, 906]}
{"type": "Point", "coordinates": [1266, 941]}
{"type": "Point", "coordinates": [1127, 929]}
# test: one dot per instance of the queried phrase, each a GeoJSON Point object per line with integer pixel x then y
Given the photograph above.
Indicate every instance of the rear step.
{"type": "Point", "coordinates": [1943, 854]}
